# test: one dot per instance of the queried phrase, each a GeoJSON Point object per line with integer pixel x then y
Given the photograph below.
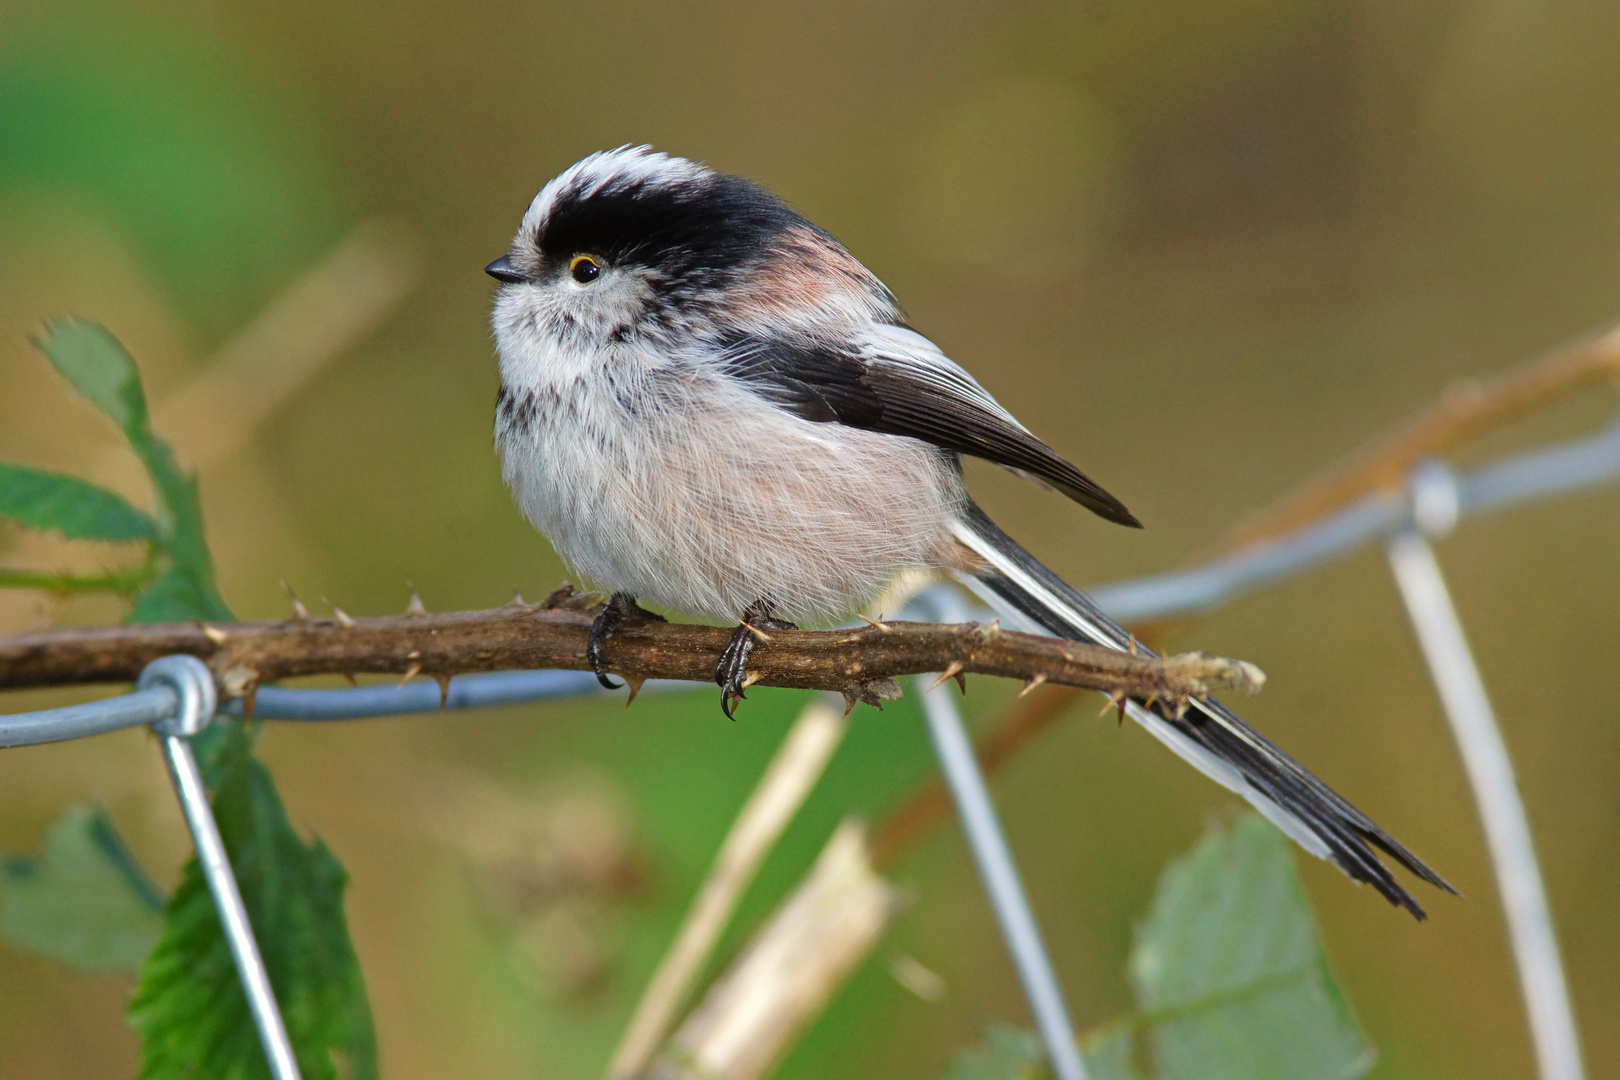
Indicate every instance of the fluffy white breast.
{"type": "Point", "coordinates": [670, 483]}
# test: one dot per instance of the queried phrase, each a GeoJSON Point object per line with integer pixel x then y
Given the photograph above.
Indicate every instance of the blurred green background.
{"type": "Point", "coordinates": [1205, 249]}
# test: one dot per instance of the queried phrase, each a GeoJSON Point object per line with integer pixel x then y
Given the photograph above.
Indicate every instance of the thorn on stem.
{"type": "Point", "coordinates": [339, 614]}
{"type": "Point", "coordinates": [214, 633]}
{"type": "Point", "coordinates": [517, 600]}
{"type": "Point", "coordinates": [954, 671]}
{"type": "Point", "coordinates": [247, 702]}
{"type": "Point", "coordinates": [444, 691]}
{"type": "Point", "coordinates": [300, 612]}
{"type": "Point", "coordinates": [415, 606]}
{"type": "Point", "coordinates": [878, 624]}
{"type": "Point", "coordinates": [756, 631]}
{"type": "Point", "coordinates": [411, 672]}
{"type": "Point", "coordinates": [1034, 681]}
{"type": "Point", "coordinates": [635, 688]}
{"type": "Point", "coordinates": [349, 675]}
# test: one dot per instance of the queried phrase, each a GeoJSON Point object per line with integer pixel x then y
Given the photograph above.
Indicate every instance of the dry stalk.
{"type": "Point", "coordinates": [788, 971]}
{"type": "Point", "coordinates": [782, 789]}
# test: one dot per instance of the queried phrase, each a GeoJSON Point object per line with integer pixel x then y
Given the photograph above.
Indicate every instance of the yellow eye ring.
{"type": "Point", "coordinates": [584, 269]}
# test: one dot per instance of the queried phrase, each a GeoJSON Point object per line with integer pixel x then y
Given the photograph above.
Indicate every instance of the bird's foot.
{"type": "Point", "coordinates": [619, 612]}
{"type": "Point", "coordinates": [732, 671]}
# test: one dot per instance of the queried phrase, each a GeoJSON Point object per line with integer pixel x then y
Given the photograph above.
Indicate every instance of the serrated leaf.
{"type": "Point", "coordinates": [189, 1007]}
{"type": "Point", "coordinates": [190, 580]}
{"type": "Point", "coordinates": [84, 900]}
{"type": "Point", "coordinates": [1110, 1053]}
{"type": "Point", "coordinates": [99, 368]}
{"type": "Point", "coordinates": [1012, 1053]}
{"type": "Point", "coordinates": [176, 597]}
{"type": "Point", "coordinates": [1230, 980]}
{"type": "Point", "coordinates": [1007, 1053]}
{"type": "Point", "coordinates": [47, 501]}
{"type": "Point", "coordinates": [1230, 974]}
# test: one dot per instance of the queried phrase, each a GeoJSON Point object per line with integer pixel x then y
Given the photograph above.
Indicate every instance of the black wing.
{"type": "Point", "coordinates": [899, 383]}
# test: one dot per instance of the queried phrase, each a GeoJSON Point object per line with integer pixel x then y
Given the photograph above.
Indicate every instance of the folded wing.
{"type": "Point", "coordinates": [898, 382]}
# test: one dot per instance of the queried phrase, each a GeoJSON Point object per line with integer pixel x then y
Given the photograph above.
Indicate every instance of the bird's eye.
{"type": "Point", "coordinates": [584, 269]}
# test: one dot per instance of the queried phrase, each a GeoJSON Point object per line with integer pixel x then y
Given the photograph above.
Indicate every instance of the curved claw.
{"type": "Point", "coordinates": [617, 613]}
{"type": "Point", "coordinates": [593, 656]}
{"type": "Point", "coordinates": [731, 673]}
{"type": "Point", "coordinates": [732, 670]}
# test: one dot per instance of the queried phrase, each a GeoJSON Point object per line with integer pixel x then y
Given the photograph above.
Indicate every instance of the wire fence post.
{"type": "Point", "coordinates": [1000, 875]}
{"type": "Point", "coordinates": [193, 686]}
{"type": "Point", "coordinates": [1434, 513]}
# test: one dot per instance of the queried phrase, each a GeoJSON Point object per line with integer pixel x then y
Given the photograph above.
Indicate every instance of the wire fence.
{"type": "Point", "coordinates": [175, 698]}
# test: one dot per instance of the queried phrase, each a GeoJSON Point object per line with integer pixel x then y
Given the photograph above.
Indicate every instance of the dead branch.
{"type": "Point", "coordinates": [789, 969]}
{"type": "Point", "coordinates": [1461, 414]}
{"type": "Point", "coordinates": [860, 664]}
{"type": "Point", "coordinates": [781, 791]}
{"type": "Point", "coordinates": [930, 802]}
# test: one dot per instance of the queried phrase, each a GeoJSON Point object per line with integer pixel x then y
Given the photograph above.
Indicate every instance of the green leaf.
{"type": "Point", "coordinates": [1007, 1053]}
{"type": "Point", "coordinates": [1230, 974]}
{"type": "Point", "coordinates": [177, 596]}
{"type": "Point", "coordinates": [1110, 1052]}
{"type": "Point", "coordinates": [187, 590]}
{"type": "Point", "coordinates": [99, 368]}
{"type": "Point", "coordinates": [189, 1007]}
{"type": "Point", "coordinates": [50, 501]}
{"type": "Point", "coordinates": [1011, 1053]}
{"type": "Point", "coordinates": [84, 900]}
{"type": "Point", "coordinates": [1230, 980]}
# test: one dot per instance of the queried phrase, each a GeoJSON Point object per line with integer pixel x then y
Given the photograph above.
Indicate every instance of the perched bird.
{"type": "Point", "coordinates": [711, 407]}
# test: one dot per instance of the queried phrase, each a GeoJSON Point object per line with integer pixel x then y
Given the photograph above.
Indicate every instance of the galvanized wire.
{"type": "Point", "coordinates": [191, 686]}
{"type": "Point", "coordinates": [1490, 773]}
{"type": "Point", "coordinates": [1520, 478]}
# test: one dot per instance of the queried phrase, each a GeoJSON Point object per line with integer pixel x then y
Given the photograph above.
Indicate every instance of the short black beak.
{"type": "Point", "coordinates": [503, 270]}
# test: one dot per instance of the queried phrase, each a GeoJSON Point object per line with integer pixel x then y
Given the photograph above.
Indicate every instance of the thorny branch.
{"type": "Point", "coordinates": [861, 664]}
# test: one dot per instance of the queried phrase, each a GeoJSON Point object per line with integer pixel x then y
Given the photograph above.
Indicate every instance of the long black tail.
{"type": "Point", "coordinates": [1207, 735]}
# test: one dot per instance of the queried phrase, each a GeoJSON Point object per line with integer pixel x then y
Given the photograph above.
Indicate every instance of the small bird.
{"type": "Point", "coordinates": [709, 406]}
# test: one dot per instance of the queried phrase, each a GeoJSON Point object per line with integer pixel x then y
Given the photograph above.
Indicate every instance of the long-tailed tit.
{"type": "Point", "coordinates": [709, 406]}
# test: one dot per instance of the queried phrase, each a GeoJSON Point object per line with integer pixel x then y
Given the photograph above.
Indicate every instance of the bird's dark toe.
{"type": "Point", "coordinates": [731, 673]}
{"type": "Point", "coordinates": [619, 612]}
{"type": "Point", "coordinates": [732, 670]}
